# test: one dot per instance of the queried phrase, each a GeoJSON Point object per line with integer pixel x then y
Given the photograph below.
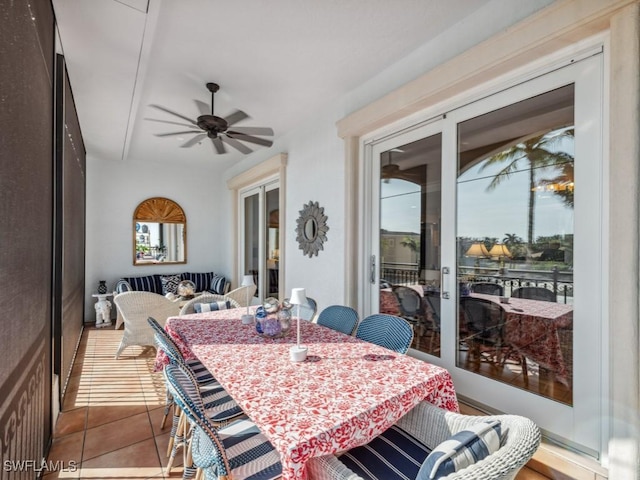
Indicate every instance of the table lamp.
{"type": "Point", "coordinates": [477, 250]}
{"type": "Point", "coordinates": [247, 281]}
{"type": "Point", "coordinates": [298, 297]}
{"type": "Point", "coordinates": [500, 251]}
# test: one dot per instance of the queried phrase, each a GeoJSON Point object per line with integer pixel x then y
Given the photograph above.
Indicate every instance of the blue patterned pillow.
{"type": "Point", "coordinates": [211, 307]}
{"type": "Point", "coordinates": [218, 282]}
{"type": "Point", "coordinates": [123, 286]}
{"type": "Point", "coordinates": [169, 283]}
{"type": "Point", "coordinates": [201, 280]}
{"type": "Point", "coordinates": [461, 450]}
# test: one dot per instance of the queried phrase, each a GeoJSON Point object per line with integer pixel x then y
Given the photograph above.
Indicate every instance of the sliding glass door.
{"type": "Point", "coordinates": [260, 237]}
{"type": "Point", "coordinates": [485, 231]}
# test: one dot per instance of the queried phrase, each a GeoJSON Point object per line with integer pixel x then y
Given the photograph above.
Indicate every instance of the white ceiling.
{"type": "Point", "coordinates": [280, 61]}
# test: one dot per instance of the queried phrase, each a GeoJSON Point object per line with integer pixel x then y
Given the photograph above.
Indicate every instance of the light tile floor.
{"type": "Point", "coordinates": [110, 421]}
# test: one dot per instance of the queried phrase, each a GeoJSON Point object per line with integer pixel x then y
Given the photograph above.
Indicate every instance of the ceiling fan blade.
{"type": "Point", "coordinates": [236, 144]}
{"type": "Point", "coordinates": [219, 145]}
{"type": "Point", "coordinates": [235, 117]}
{"type": "Point", "coordinates": [256, 140]}
{"type": "Point", "coordinates": [171, 112]}
{"type": "Point", "coordinates": [194, 140]}
{"type": "Point", "coordinates": [252, 131]}
{"type": "Point", "coordinates": [167, 121]}
{"type": "Point", "coordinates": [177, 133]}
{"type": "Point", "coordinates": [203, 108]}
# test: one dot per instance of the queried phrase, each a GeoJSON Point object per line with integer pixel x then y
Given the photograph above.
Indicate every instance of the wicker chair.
{"type": "Point", "coordinates": [209, 445]}
{"type": "Point", "coordinates": [488, 288]}
{"type": "Point", "coordinates": [388, 331]}
{"type": "Point", "coordinates": [431, 426]}
{"type": "Point", "coordinates": [135, 308]}
{"type": "Point", "coordinates": [535, 293]}
{"type": "Point", "coordinates": [188, 307]}
{"type": "Point", "coordinates": [241, 294]}
{"type": "Point", "coordinates": [339, 317]}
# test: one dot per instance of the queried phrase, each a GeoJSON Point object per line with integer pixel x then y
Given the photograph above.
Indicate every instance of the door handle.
{"type": "Point", "coordinates": [372, 266]}
{"type": "Point", "coordinates": [444, 285]}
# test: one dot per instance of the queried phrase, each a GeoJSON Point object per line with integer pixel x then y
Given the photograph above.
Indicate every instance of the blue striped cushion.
{"type": "Point", "coordinates": [461, 450]}
{"type": "Point", "coordinates": [201, 280]}
{"type": "Point", "coordinates": [123, 286]}
{"type": "Point", "coordinates": [149, 283]}
{"type": "Point", "coordinates": [217, 284]}
{"type": "Point", "coordinates": [393, 455]}
{"type": "Point", "coordinates": [211, 307]}
{"type": "Point", "coordinates": [250, 454]}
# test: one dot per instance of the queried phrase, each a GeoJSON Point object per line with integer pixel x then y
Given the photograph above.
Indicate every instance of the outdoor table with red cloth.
{"type": "Point", "coordinates": [346, 393]}
{"type": "Point", "coordinates": [532, 327]}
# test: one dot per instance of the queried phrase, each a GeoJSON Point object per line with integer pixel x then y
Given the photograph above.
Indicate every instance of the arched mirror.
{"type": "Point", "coordinates": [159, 233]}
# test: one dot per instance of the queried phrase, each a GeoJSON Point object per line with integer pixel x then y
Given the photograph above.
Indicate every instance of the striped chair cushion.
{"type": "Point", "coordinates": [211, 307]}
{"type": "Point", "coordinates": [201, 280]}
{"type": "Point", "coordinates": [217, 284]}
{"type": "Point", "coordinates": [250, 454]}
{"type": "Point", "coordinates": [218, 404]}
{"type": "Point", "coordinates": [461, 450]}
{"type": "Point", "coordinates": [393, 455]}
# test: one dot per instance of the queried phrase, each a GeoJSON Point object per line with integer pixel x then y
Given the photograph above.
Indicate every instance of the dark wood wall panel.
{"type": "Point", "coordinates": [26, 192]}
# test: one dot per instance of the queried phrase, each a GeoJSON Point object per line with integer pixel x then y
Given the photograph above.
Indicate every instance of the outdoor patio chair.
{"type": "Point", "coordinates": [339, 317]}
{"type": "Point", "coordinates": [488, 288]}
{"type": "Point", "coordinates": [188, 307]}
{"type": "Point", "coordinates": [242, 295]}
{"type": "Point", "coordinates": [535, 293]}
{"type": "Point", "coordinates": [236, 450]}
{"type": "Point", "coordinates": [388, 331]}
{"type": "Point", "coordinates": [422, 431]}
{"type": "Point", "coordinates": [483, 323]}
{"type": "Point", "coordinates": [135, 308]}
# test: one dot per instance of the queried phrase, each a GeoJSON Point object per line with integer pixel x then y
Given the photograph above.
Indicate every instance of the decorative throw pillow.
{"type": "Point", "coordinates": [218, 282]}
{"type": "Point", "coordinates": [123, 286]}
{"type": "Point", "coordinates": [169, 283]}
{"type": "Point", "coordinates": [461, 450]}
{"type": "Point", "coordinates": [211, 307]}
{"type": "Point", "coordinates": [143, 284]}
{"type": "Point", "coordinates": [201, 280]}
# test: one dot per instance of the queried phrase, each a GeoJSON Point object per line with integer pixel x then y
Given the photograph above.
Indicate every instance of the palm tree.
{"type": "Point", "coordinates": [535, 152]}
{"type": "Point", "coordinates": [412, 243]}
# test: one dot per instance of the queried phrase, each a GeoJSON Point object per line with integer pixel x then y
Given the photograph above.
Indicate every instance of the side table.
{"type": "Point", "coordinates": [103, 309]}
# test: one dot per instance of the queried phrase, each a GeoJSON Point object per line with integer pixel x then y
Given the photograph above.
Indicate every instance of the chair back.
{"type": "Point", "coordinates": [484, 319]}
{"type": "Point", "coordinates": [535, 293]}
{"type": "Point", "coordinates": [135, 307]}
{"type": "Point", "coordinates": [307, 312]}
{"type": "Point", "coordinates": [340, 318]}
{"type": "Point", "coordinates": [410, 301]}
{"type": "Point", "coordinates": [488, 288]}
{"type": "Point", "coordinates": [207, 448]}
{"type": "Point", "coordinates": [242, 295]}
{"type": "Point", "coordinates": [188, 307]}
{"type": "Point", "coordinates": [433, 300]}
{"type": "Point", "coordinates": [165, 343]}
{"type": "Point", "coordinates": [388, 331]}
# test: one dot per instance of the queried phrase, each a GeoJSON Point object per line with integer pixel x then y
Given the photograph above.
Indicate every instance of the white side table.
{"type": "Point", "coordinates": [103, 309]}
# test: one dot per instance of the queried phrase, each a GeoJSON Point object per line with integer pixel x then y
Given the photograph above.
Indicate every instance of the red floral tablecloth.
{"type": "Point", "coordinates": [533, 328]}
{"type": "Point", "coordinates": [345, 393]}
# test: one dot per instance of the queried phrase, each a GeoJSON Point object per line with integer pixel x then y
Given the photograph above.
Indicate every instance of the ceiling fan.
{"type": "Point", "coordinates": [392, 170]}
{"type": "Point", "coordinates": [218, 129]}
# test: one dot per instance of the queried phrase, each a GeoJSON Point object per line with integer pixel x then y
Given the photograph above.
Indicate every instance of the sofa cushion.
{"type": "Point", "coordinates": [217, 284]}
{"type": "Point", "coordinates": [169, 283]}
{"type": "Point", "coordinates": [211, 307]}
{"type": "Point", "coordinates": [461, 450]}
{"type": "Point", "coordinates": [149, 283]}
{"type": "Point", "coordinates": [202, 281]}
{"type": "Point", "coordinates": [394, 454]}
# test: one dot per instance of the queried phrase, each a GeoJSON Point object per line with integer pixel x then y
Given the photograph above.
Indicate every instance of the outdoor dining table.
{"type": "Point", "coordinates": [533, 328]}
{"type": "Point", "coordinates": [343, 395]}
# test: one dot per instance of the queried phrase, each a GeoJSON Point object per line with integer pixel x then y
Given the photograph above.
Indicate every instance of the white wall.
{"type": "Point", "coordinates": [315, 172]}
{"type": "Point", "coordinates": [114, 190]}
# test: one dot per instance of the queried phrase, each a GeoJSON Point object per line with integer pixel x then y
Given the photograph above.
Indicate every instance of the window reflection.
{"type": "Point", "coordinates": [515, 244]}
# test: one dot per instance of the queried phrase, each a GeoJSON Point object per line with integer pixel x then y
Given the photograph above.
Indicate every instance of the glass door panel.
{"type": "Point", "coordinates": [272, 244]}
{"type": "Point", "coordinates": [410, 187]}
{"type": "Point", "coordinates": [251, 235]}
{"type": "Point", "coordinates": [515, 237]}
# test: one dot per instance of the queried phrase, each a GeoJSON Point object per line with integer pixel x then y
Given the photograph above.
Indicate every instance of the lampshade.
{"type": "Point", "coordinates": [247, 281]}
{"type": "Point", "coordinates": [298, 296]}
{"type": "Point", "coordinates": [499, 250]}
{"type": "Point", "coordinates": [477, 250]}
